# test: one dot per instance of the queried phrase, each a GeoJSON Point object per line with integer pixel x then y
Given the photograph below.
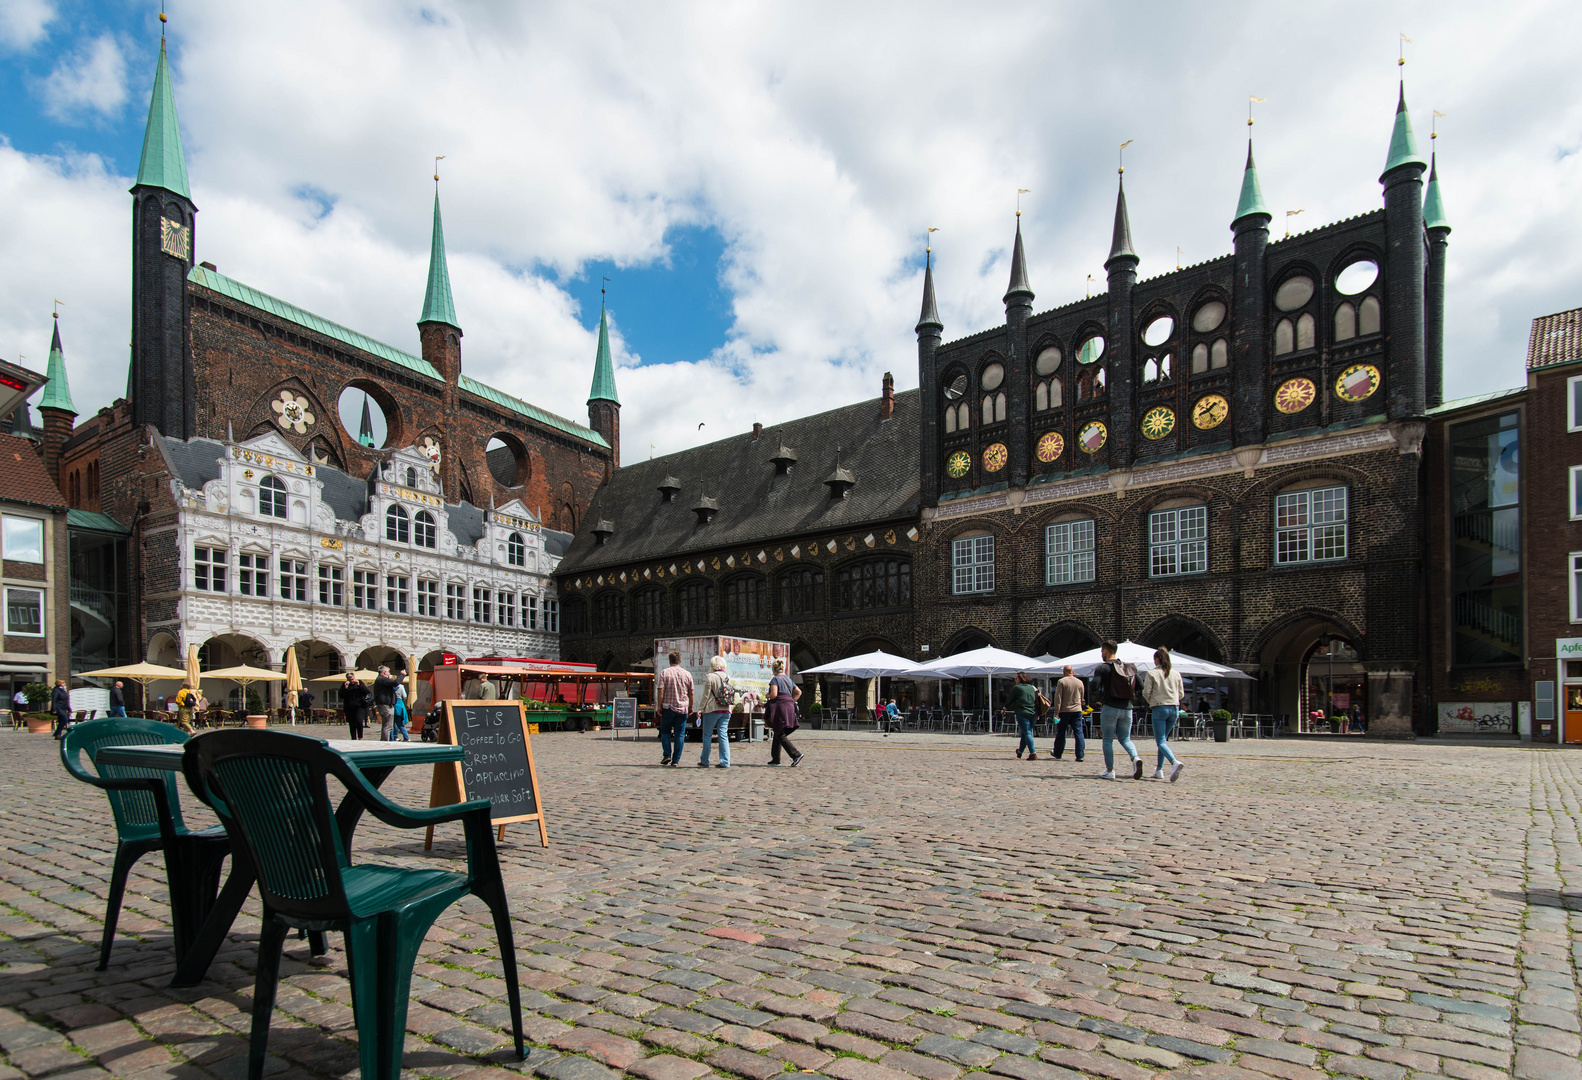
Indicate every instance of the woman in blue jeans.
{"type": "Point", "coordinates": [1162, 689]}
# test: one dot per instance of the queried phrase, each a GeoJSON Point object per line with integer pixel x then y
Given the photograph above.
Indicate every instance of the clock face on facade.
{"type": "Point", "coordinates": [994, 457]}
{"type": "Point", "coordinates": [1158, 422]}
{"type": "Point", "coordinates": [174, 238]}
{"type": "Point", "coordinates": [1051, 446]}
{"type": "Point", "coordinates": [957, 464]}
{"type": "Point", "coordinates": [1295, 395]}
{"type": "Point", "coordinates": [1210, 412]}
{"type": "Point", "coordinates": [1357, 382]}
{"type": "Point", "coordinates": [1092, 437]}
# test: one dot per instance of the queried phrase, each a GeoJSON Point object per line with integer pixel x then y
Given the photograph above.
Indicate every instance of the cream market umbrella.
{"type": "Point", "coordinates": [293, 681]}
{"type": "Point", "coordinates": [142, 674]}
{"type": "Point", "coordinates": [245, 675]}
{"type": "Point", "coordinates": [193, 675]}
{"type": "Point", "coordinates": [363, 675]}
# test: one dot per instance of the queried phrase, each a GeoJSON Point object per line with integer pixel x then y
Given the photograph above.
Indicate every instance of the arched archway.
{"type": "Point", "coordinates": [1181, 634]}
{"type": "Point", "coordinates": [372, 657]}
{"type": "Point", "coordinates": [164, 650]}
{"type": "Point", "coordinates": [1063, 639]}
{"type": "Point", "coordinates": [1286, 653]}
{"type": "Point", "coordinates": [233, 650]}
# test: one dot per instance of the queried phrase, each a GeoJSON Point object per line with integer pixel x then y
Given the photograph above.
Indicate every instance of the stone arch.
{"type": "Point", "coordinates": [1064, 638]}
{"type": "Point", "coordinates": [1184, 633]}
{"type": "Point", "coordinates": [1281, 650]}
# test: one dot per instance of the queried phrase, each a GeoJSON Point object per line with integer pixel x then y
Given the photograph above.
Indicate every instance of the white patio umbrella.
{"type": "Point", "coordinates": [987, 661]}
{"type": "Point", "coordinates": [874, 665]}
{"type": "Point", "coordinates": [1142, 657]}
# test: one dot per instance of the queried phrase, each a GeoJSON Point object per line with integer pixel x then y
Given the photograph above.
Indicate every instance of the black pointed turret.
{"type": "Point", "coordinates": [1121, 243]}
{"type": "Point", "coordinates": [1019, 288]}
{"type": "Point", "coordinates": [930, 316]}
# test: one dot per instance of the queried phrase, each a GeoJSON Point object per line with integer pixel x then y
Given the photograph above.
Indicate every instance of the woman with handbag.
{"type": "Point", "coordinates": [780, 714]}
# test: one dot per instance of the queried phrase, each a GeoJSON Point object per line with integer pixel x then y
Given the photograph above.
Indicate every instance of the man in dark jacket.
{"type": "Point", "coordinates": [384, 701]}
{"type": "Point", "coordinates": [117, 700]}
{"type": "Point", "coordinates": [1115, 683]}
{"type": "Point", "coordinates": [354, 700]}
{"type": "Point", "coordinates": [60, 705]}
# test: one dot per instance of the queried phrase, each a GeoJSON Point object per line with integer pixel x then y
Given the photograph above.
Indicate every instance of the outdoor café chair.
{"type": "Point", "coordinates": [147, 811]}
{"type": "Point", "coordinates": [270, 789]}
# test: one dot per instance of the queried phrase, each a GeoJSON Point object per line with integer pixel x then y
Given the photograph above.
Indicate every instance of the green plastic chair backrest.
{"type": "Point", "coordinates": [270, 790]}
{"type": "Point", "coordinates": [136, 816]}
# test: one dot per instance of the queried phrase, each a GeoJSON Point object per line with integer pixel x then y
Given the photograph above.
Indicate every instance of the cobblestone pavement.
{"type": "Point", "coordinates": [913, 907]}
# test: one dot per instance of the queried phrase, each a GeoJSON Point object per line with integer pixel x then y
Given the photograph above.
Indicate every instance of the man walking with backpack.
{"type": "Point", "coordinates": [1114, 684]}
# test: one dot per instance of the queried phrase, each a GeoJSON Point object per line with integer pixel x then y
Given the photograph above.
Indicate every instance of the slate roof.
{"type": "Point", "coordinates": [1555, 339]}
{"type": "Point", "coordinates": [756, 506]}
{"type": "Point", "coordinates": [22, 476]}
{"type": "Point", "coordinates": [196, 461]}
{"type": "Point", "coordinates": [557, 542]}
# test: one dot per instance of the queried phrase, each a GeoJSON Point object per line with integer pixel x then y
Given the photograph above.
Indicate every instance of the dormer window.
{"type": "Point", "coordinates": [272, 498]}
{"type": "Point", "coordinates": [840, 482]}
{"type": "Point", "coordinates": [706, 509]}
{"type": "Point", "coordinates": [603, 529]}
{"type": "Point", "coordinates": [411, 477]}
{"type": "Point", "coordinates": [668, 487]}
{"type": "Point", "coordinates": [515, 550]}
{"type": "Point", "coordinates": [784, 458]}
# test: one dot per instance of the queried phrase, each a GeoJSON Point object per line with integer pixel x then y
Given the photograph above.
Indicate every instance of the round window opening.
{"type": "Point", "coordinates": [1208, 317]}
{"type": "Point", "coordinates": [507, 462]}
{"type": "Point", "coordinates": [1294, 293]}
{"type": "Point", "coordinates": [1356, 277]}
{"type": "Point", "coordinates": [957, 388]}
{"type": "Point", "coordinates": [1048, 361]}
{"type": "Point", "coordinates": [993, 376]}
{"type": "Point", "coordinates": [363, 417]}
{"type": "Point", "coordinates": [1158, 332]}
{"type": "Point", "coordinates": [1090, 350]}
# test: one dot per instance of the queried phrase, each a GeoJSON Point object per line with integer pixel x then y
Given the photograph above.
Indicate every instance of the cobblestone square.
{"type": "Point", "coordinates": [911, 907]}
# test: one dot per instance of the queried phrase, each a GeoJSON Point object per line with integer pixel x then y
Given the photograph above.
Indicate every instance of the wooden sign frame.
{"type": "Point", "coordinates": [615, 708]}
{"type": "Point", "coordinates": [450, 786]}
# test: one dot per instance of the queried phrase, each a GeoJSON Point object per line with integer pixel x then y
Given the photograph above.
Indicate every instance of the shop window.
{"type": "Point", "coordinates": [252, 574]}
{"type": "Point", "coordinates": [332, 585]}
{"type": "Point", "coordinates": [398, 527]}
{"type": "Point", "coordinates": [744, 599]}
{"type": "Point", "coordinates": [801, 592]}
{"type": "Point", "coordinates": [208, 569]}
{"type": "Point", "coordinates": [1368, 316]}
{"type": "Point", "coordinates": [1178, 541]}
{"type": "Point", "coordinates": [1310, 526]}
{"type": "Point", "coordinates": [695, 604]}
{"type": "Point", "coordinates": [972, 565]}
{"type": "Point", "coordinates": [515, 550]}
{"type": "Point", "coordinates": [1069, 552]}
{"type": "Point", "coordinates": [272, 498]}
{"type": "Point", "coordinates": [423, 531]}
{"type": "Point", "coordinates": [1486, 560]}
{"type": "Point", "coordinates": [428, 598]}
{"type": "Point", "coordinates": [24, 612]}
{"type": "Point", "coordinates": [482, 604]}
{"type": "Point", "coordinates": [874, 584]}
{"type": "Point", "coordinates": [293, 579]}
{"type": "Point", "coordinates": [456, 601]}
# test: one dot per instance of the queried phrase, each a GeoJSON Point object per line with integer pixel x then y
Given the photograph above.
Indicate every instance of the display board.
{"type": "Point", "coordinates": [749, 662]}
{"type": "Point", "coordinates": [623, 712]}
{"type": "Point", "coordinates": [498, 763]}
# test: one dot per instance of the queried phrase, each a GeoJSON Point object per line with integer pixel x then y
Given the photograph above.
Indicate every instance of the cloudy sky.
{"type": "Point", "coordinates": [756, 179]}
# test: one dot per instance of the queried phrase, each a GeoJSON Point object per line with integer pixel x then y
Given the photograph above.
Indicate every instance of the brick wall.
{"type": "Point", "coordinates": [1549, 533]}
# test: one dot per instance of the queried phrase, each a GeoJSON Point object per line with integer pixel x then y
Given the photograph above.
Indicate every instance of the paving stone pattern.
{"type": "Point", "coordinates": [912, 908]}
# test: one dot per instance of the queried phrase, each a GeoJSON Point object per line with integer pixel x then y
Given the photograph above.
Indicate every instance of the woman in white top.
{"type": "Point", "coordinates": [1162, 689]}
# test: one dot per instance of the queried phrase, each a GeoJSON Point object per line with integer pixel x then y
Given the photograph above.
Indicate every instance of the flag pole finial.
{"type": "Point", "coordinates": [437, 159]}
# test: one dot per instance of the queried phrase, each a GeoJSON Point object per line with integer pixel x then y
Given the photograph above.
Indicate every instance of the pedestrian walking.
{"type": "Point", "coordinates": [1023, 703]}
{"type": "Point", "coordinates": [1162, 690]}
{"type": "Point", "coordinates": [186, 701]}
{"type": "Point", "coordinates": [354, 702]}
{"type": "Point", "coordinates": [676, 692]}
{"type": "Point", "coordinates": [1114, 684]}
{"type": "Point", "coordinates": [60, 705]}
{"type": "Point", "coordinates": [485, 690]}
{"type": "Point", "coordinates": [718, 700]}
{"type": "Point", "coordinates": [384, 701]}
{"type": "Point", "coordinates": [117, 699]}
{"type": "Point", "coordinates": [1070, 695]}
{"type": "Point", "coordinates": [780, 714]}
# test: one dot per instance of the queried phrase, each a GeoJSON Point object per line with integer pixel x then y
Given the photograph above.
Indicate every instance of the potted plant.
{"type": "Point", "coordinates": [815, 716]}
{"type": "Point", "coordinates": [1221, 721]}
{"type": "Point", "coordinates": [256, 717]}
{"type": "Point", "coordinates": [37, 722]}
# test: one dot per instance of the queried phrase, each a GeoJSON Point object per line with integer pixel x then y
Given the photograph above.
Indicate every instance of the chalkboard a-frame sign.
{"type": "Point", "coordinates": [498, 765]}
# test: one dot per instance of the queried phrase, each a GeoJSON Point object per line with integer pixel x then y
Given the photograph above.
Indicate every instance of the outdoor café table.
{"type": "Point", "coordinates": [377, 760]}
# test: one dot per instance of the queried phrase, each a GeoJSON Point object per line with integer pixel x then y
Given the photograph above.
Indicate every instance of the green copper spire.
{"type": "Point", "coordinates": [1433, 202]}
{"type": "Point", "coordinates": [57, 392]}
{"type": "Point", "coordinates": [1251, 201]}
{"type": "Point", "coordinates": [163, 164]}
{"type": "Point", "coordinates": [365, 429]}
{"type": "Point", "coordinates": [437, 304]}
{"type": "Point", "coordinates": [1403, 144]}
{"type": "Point", "coordinates": [603, 366]}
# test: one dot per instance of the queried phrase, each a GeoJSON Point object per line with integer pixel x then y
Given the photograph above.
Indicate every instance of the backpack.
{"type": "Point", "coordinates": [726, 694]}
{"type": "Point", "coordinates": [1123, 680]}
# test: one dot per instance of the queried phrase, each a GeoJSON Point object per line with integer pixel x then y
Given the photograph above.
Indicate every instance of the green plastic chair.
{"type": "Point", "coordinates": [148, 818]}
{"type": "Point", "coordinates": [270, 789]}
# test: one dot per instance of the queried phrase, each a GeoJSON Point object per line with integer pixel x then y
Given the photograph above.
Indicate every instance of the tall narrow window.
{"type": "Point", "coordinates": [1368, 316]}
{"type": "Point", "coordinates": [551, 615]}
{"type": "Point", "coordinates": [1178, 541]}
{"type": "Point", "coordinates": [482, 608]}
{"type": "Point", "coordinates": [397, 593]}
{"type": "Point", "coordinates": [801, 592]}
{"type": "Point", "coordinates": [1284, 338]}
{"type": "Point", "coordinates": [1310, 526]}
{"type": "Point", "coordinates": [1069, 552]}
{"type": "Point", "coordinates": [515, 550]}
{"type": "Point", "coordinates": [876, 584]}
{"type": "Point", "coordinates": [398, 527]}
{"type": "Point", "coordinates": [208, 569]}
{"type": "Point", "coordinates": [1484, 461]}
{"type": "Point", "coordinates": [744, 599]}
{"type": "Point", "coordinates": [293, 579]}
{"type": "Point", "coordinates": [1219, 354]}
{"type": "Point", "coordinates": [252, 574]}
{"type": "Point", "coordinates": [365, 590]}
{"type": "Point", "coordinates": [530, 611]}
{"type": "Point", "coordinates": [505, 608]}
{"type": "Point", "coordinates": [423, 532]}
{"type": "Point", "coordinates": [455, 602]}
{"type": "Point", "coordinates": [1305, 327]}
{"type": "Point", "coordinates": [272, 498]}
{"type": "Point", "coordinates": [332, 585]}
{"type": "Point", "coordinates": [695, 604]}
{"type": "Point", "coordinates": [972, 565]}
{"type": "Point", "coordinates": [1345, 322]}
{"type": "Point", "coordinates": [427, 598]}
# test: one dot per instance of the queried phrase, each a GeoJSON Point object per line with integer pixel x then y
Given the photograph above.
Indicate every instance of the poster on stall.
{"type": "Point", "coordinates": [749, 663]}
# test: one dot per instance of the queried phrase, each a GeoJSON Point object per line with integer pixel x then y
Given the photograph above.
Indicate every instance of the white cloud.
{"type": "Point", "coordinates": [23, 23]}
{"type": "Point", "coordinates": [821, 141]}
{"type": "Point", "coordinates": [92, 80]}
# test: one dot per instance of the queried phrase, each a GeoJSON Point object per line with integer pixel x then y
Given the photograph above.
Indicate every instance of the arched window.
{"type": "Point", "coordinates": [515, 550]}
{"type": "Point", "coordinates": [650, 609]}
{"type": "Point", "coordinates": [609, 612]}
{"type": "Point", "coordinates": [1164, 365]}
{"type": "Point", "coordinates": [423, 532]}
{"type": "Point", "coordinates": [411, 476]}
{"type": "Point", "coordinates": [1199, 358]}
{"type": "Point", "coordinates": [1306, 327]}
{"type": "Point", "coordinates": [272, 498]}
{"type": "Point", "coordinates": [1345, 322]}
{"type": "Point", "coordinates": [1150, 371]}
{"type": "Point", "coordinates": [574, 616]}
{"type": "Point", "coordinates": [397, 527]}
{"type": "Point", "coordinates": [950, 419]}
{"type": "Point", "coordinates": [695, 604]}
{"type": "Point", "coordinates": [1219, 355]}
{"type": "Point", "coordinates": [1284, 337]}
{"type": "Point", "coordinates": [801, 592]}
{"type": "Point", "coordinates": [1047, 395]}
{"type": "Point", "coordinates": [1368, 316]}
{"type": "Point", "coordinates": [993, 407]}
{"type": "Point", "coordinates": [874, 584]}
{"type": "Point", "coordinates": [744, 599]}
{"type": "Point", "coordinates": [963, 416]}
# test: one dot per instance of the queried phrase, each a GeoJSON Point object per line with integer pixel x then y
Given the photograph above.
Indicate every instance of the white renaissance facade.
{"type": "Point", "coordinates": [278, 551]}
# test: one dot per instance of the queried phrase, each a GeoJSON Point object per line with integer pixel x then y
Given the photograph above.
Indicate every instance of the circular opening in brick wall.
{"type": "Point", "coordinates": [1356, 277]}
{"type": "Point", "coordinates": [364, 416]}
{"type": "Point", "coordinates": [507, 459]}
{"type": "Point", "coordinates": [1158, 332]}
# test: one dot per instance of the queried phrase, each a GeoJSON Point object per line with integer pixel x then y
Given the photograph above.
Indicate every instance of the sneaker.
{"type": "Point", "coordinates": [1137, 768]}
{"type": "Point", "coordinates": [664, 761]}
{"type": "Point", "coordinates": [773, 763]}
{"type": "Point", "coordinates": [797, 760]}
{"type": "Point", "coordinates": [1107, 775]}
{"type": "Point", "coordinates": [1175, 773]}
{"type": "Point", "coordinates": [1159, 774]}
{"type": "Point", "coordinates": [1032, 757]}
{"type": "Point", "coordinates": [722, 765]}
{"type": "Point", "coordinates": [1018, 751]}
{"type": "Point", "coordinates": [703, 764]}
